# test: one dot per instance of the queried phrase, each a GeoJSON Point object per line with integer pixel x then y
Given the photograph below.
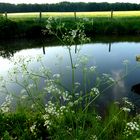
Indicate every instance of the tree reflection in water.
{"type": "Point", "coordinates": [136, 88]}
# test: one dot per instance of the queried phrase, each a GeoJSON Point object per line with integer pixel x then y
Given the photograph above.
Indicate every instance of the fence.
{"type": "Point", "coordinates": [41, 15]}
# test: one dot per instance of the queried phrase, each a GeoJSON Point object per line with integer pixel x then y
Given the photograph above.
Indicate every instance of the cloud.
{"type": "Point", "coordinates": [119, 89]}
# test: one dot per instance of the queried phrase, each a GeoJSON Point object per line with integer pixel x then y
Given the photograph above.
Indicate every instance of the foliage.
{"type": "Point", "coordinates": [68, 7]}
{"type": "Point", "coordinates": [8, 28]}
{"type": "Point", "coordinates": [32, 28]}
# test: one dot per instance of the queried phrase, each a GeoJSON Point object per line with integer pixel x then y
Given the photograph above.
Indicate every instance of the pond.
{"type": "Point", "coordinates": [108, 57]}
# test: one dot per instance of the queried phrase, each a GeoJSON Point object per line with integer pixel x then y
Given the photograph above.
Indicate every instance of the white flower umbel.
{"type": "Point", "coordinates": [131, 128]}
{"type": "Point", "coordinates": [125, 62]}
{"type": "Point", "coordinates": [128, 106]}
{"type": "Point", "coordinates": [83, 60]}
{"type": "Point", "coordinates": [52, 112]}
{"type": "Point", "coordinates": [5, 106]}
{"type": "Point", "coordinates": [94, 91]}
{"type": "Point", "coordinates": [51, 87]}
{"type": "Point", "coordinates": [56, 76]}
{"type": "Point", "coordinates": [92, 68]}
{"type": "Point", "coordinates": [125, 109]}
{"type": "Point", "coordinates": [106, 78]}
{"type": "Point", "coordinates": [33, 128]}
{"type": "Point", "coordinates": [93, 137]}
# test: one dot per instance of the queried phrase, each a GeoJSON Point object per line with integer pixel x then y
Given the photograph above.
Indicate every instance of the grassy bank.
{"type": "Point", "coordinates": [97, 23]}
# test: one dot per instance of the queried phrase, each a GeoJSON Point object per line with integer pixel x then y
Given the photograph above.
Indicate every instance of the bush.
{"type": "Point", "coordinates": [8, 29]}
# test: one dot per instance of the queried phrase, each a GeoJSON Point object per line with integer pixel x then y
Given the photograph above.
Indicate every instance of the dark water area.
{"type": "Point", "coordinates": [106, 53]}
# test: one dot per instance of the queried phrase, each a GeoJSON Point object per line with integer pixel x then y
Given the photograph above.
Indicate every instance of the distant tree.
{"type": "Point", "coordinates": [68, 7]}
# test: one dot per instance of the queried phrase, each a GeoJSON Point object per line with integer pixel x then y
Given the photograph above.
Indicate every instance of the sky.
{"type": "Point", "coordinates": [56, 1]}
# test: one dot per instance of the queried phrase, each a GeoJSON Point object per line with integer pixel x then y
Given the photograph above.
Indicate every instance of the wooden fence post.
{"type": "Point", "coordinates": [111, 14]}
{"type": "Point", "coordinates": [40, 16]}
{"type": "Point", "coordinates": [6, 15]}
{"type": "Point", "coordinates": [75, 15]}
{"type": "Point", "coordinates": [109, 47]}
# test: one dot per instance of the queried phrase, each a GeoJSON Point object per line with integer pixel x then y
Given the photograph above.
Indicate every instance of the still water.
{"type": "Point", "coordinates": [107, 57]}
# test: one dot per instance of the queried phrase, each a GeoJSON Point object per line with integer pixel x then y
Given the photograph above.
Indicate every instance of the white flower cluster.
{"type": "Point", "coordinates": [65, 96]}
{"type": "Point", "coordinates": [45, 71]}
{"type": "Point", "coordinates": [107, 78]}
{"type": "Point", "coordinates": [83, 60]}
{"type": "Point", "coordinates": [77, 84]}
{"type": "Point", "coordinates": [49, 22]}
{"type": "Point", "coordinates": [98, 118]}
{"type": "Point", "coordinates": [73, 33]}
{"type": "Point", "coordinates": [52, 111]}
{"type": "Point", "coordinates": [94, 91]}
{"type": "Point", "coordinates": [56, 76]}
{"type": "Point", "coordinates": [33, 128]}
{"type": "Point", "coordinates": [31, 86]}
{"type": "Point", "coordinates": [127, 105]}
{"type": "Point", "coordinates": [69, 37]}
{"type": "Point", "coordinates": [5, 106]}
{"type": "Point", "coordinates": [125, 62]}
{"type": "Point", "coordinates": [53, 89]}
{"type": "Point", "coordinates": [131, 128]}
{"type": "Point", "coordinates": [92, 68]}
{"type": "Point", "coordinates": [93, 137]}
{"type": "Point", "coordinates": [125, 109]}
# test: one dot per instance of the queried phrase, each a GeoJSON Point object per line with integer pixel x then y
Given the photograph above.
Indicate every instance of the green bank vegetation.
{"type": "Point", "coordinates": [96, 23]}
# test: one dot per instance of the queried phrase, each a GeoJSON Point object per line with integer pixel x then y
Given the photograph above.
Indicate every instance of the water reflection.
{"type": "Point", "coordinates": [5, 53]}
{"type": "Point", "coordinates": [138, 58]}
{"type": "Point", "coordinates": [109, 47]}
{"type": "Point", "coordinates": [136, 88]}
{"type": "Point", "coordinates": [117, 75]}
{"type": "Point", "coordinates": [44, 50]}
{"type": "Point", "coordinates": [75, 48]}
{"type": "Point", "coordinates": [11, 47]}
{"type": "Point", "coordinates": [107, 57]}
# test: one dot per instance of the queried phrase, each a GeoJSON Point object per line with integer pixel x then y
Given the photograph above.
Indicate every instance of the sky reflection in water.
{"type": "Point", "coordinates": [107, 57]}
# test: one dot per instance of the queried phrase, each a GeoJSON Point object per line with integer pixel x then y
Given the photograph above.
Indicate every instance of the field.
{"type": "Point", "coordinates": [32, 15]}
{"type": "Point", "coordinates": [95, 23]}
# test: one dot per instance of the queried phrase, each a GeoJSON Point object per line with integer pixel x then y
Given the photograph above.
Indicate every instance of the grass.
{"type": "Point", "coordinates": [104, 14]}
{"type": "Point", "coordinates": [96, 23]}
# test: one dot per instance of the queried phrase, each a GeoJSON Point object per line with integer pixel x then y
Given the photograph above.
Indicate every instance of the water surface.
{"type": "Point", "coordinates": [107, 57]}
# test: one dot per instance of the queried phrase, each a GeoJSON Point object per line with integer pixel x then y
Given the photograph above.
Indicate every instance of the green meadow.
{"type": "Point", "coordinates": [96, 23]}
{"type": "Point", "coordinates": [104, 14]}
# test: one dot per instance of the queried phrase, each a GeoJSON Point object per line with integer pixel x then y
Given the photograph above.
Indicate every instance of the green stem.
{"type": "Point", "coordinates": [109, 124]}
{"type": "Point", "coordinates": [73, 73]}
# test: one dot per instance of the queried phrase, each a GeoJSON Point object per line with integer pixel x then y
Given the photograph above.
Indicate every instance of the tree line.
{"type": "Point", "coordinates": [68, 7]}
